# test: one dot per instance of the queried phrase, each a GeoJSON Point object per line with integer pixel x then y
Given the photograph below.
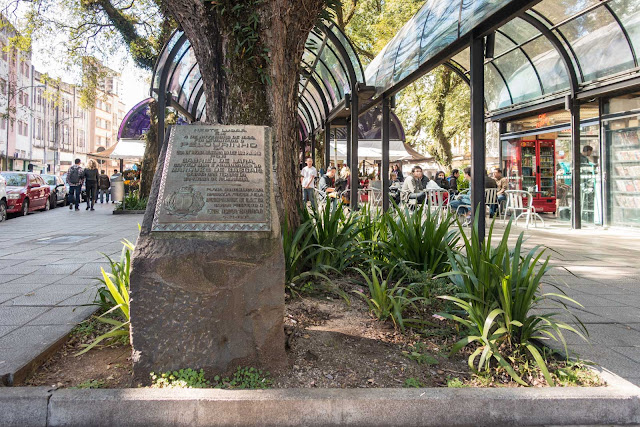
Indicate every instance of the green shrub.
{"type": "Point", "coordinates": [91, 384]}
{"type": "Point", "coordinates": [412, 383]}
{"type": "Point", "coordinates": [374, 231]}
{"type": "Point", "coordinates": [498, 288]}
{"type": "Point", "coordinates": [184, 378]}
{"type": "Point", "coordinates": [334, 234]}
{"type": "Point", "coordinates": [455, 382]}
{"type": "Point", "coordinates": [246, 378]}
{"type": "Point", "coordinates": [421, 238]}
{"type": "Point", "coordinates": [133, 202]}
{"type": "Point", "coordinates": [420, 354]}
{"type": "Point", "coordinates": [386, 301]}
{"type": "Point", "coordinates": [114, 298]}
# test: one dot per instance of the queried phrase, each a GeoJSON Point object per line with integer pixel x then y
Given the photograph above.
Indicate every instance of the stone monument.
{"type": "Point", "coordinates": [207, 282]}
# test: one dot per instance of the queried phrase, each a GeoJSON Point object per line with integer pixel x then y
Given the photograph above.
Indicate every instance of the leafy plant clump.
{"type": "Point", "coordinates": [245, 378]}
{"type": "Point", "coordinates": [91, 384]}
{"type": "Point", "coordinates": [133, 202]}
{"type": "Point", "coordinates": [184, 378]}
{"type": "Point", "coordinates": [113, 298]}
{"type": "Point", "coordinates": [497, 289]}
{"type": "Point", "coordinates": [412, 382]}
{"type": "Point", "coordinates": [387, 301]}
{"type": "Point", "coordinates": [420, 354]}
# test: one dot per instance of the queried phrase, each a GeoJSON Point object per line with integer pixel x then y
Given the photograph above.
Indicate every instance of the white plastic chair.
{"type": "Point", "coordinates": [517, 207]}
{"type": "Point", "coordinates": [490, 197]}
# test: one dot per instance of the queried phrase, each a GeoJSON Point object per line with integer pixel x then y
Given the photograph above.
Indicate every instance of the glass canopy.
{"type": "Point", "coordinates": [553, 48]}
{"type": "Point", "coordinates": [330, 67]}
{"type": "Point", "coordinates": [136, 122]}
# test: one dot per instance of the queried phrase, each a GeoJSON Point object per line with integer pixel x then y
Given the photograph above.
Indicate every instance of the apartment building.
{"type": "Point", "coordinates": [46, 125]}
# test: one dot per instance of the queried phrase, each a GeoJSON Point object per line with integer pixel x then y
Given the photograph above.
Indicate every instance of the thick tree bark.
{"type": "Point", "coordinates": [236, 90]}
{"type": "Point", "coordinates": [442, 87]}
{"type": "Point", "coordinates": [151, 152]}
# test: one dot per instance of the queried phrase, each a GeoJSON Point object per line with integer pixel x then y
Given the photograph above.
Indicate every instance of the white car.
{"type": "Point", "coordinates": [3, 199]}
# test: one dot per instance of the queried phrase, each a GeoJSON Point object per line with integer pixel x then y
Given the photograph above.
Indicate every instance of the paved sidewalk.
{"type": "Point", "coordinates": [600, 270]}
{"type": "Point", "coordinates": [48, 265]}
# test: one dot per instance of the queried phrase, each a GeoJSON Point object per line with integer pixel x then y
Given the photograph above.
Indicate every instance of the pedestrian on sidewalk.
{"type": "Point", "coordinates": [307, 178]}
{"type": "Point", "coordinates": [91, 178]}
{"type": "Point", "coordinates": [104, 186]}
{"type": "Point", "coordinates": [75, 178]}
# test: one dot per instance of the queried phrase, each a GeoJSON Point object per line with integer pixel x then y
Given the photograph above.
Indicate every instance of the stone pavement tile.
{"type": "Point", "coordinates": [608, 359]}
{"type": "Point", "coordinates": [67, 315]}
{"type": "Point", "coordinates": [11, 316]}
{"type": "Point", "coordinates": [570, 317]}
{"type": "Point", "coordinates": [601, 272]}
{"type": "Point", "coordinates": [610, 335]}
{"type": "Point", "coordinates": [44, 279]}
{"type": "Point", "coordinates": [596, 289]}
{"type": "Point", "coordinates": [87, 297]}
{"type": "Point", "coordinates": [4, 263]}
{"type": "Point", "coordinates": [6, 278]}
{"type": "Point", "coordinates": [78, 280]}
{"type": "Point", "coordinates": [4, 330]}
{"type": "Point", "coordinates": [38, 298]}
{"type": "Point", "coordinates": [58, 269]}
{"type": "Point", "coordinates": [632, 352]}
{"type": "Point", "coordinates": [20, 269]}
{"type": "Point", "coordinates": [4, 298]}
{"type": "Point", "coordinates": [621, 315]}
{"type": "Point", "coordinates": [44, 260]}
{"type": "Point", "coordinates": [21, 288]}
{"type": "Point", "coordinates": [632, 300]}
{"type": "Point", "coordinates": [20, 346]}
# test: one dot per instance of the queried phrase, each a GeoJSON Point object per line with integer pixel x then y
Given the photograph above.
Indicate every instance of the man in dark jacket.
{"type": "Point", "coordinates": [453, 181]}
{"type": "Point", "coordinates": [75, 178]}
{"type": "Point", "coordinates": [104, 186]}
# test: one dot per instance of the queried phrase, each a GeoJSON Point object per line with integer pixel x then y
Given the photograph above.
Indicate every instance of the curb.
{"type": "Point", "coordinates": [617, 404]}
{"type": "Point", "coordinates": [136, 212]}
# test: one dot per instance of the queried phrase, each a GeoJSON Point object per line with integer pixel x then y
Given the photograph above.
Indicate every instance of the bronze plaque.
{"type": "Point", "coordinates": [215, 178]}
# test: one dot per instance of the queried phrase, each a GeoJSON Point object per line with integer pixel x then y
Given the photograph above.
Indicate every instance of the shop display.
{"type": "Point", "coordinates": [532, 168]}
{"type": "Point", "coordinates": [625, 176]}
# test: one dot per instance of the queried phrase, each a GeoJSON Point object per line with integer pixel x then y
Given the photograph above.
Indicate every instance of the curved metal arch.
{"type": "Point", "coordinates": [173, 72]}
{"type": "Point", "coordinates": [332, 25]}
{"type": "Point", "coordinates": [564, 39]}
{"type": "Point", "coordinates": [315, 84]}
{"type": "Point", "coordinates": [557, 44]}
{"type": "Point", "coordinates": [337, 86]}
{"type": "Point", "coordinates": [197, 88]}
{"type": "Point", "coordinates": [181, 91]}
{"type": "Point", "coordinates": [196, 101]}
{"type": "Point", "coordinates": [313, 120]}
{"type": "Point", "coordinates": [312, 102]}
{"type": "Point", "coordinates": [164, 49]}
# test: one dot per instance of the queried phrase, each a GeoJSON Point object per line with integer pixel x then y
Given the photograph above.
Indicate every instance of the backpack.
{"type": "Point", "coordinates": [74, 175]}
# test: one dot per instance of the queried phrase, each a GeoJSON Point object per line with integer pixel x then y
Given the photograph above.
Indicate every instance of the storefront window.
{"type": "Point", "coordinates": [623, 144]}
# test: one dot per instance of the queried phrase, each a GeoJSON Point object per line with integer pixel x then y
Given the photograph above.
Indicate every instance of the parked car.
{"type": "Point", "coordinates": [58, 190]}
{"type": "Point", "coordinates": [3, 199]}
{"type": "Point", "coordinates": [26, 192]}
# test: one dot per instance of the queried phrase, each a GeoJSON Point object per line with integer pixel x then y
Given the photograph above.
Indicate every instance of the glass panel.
{"type": "Point", "coordinates": [462, 58]}
{"type": "Point", "coordinates": [336, 67]}
{"type": "Point", "coordinates": [385, 72]}
{"type": "Point", "coordinates": [599, 44]}
{"type": "Point", "coordinates": [503, 44]}
{"type": "Point", "coordinates": [330, 81]}
{"type": "Point", "coordinates": [353, 56]}
{"type": "Point", "coordinates": [181, 69]}
{"type": "Point", "coordinates": [519, 30]}
{"type": "Point", "coordinates": [313, 115]}
{"type": "Point", "coordinates": [548, 64]}
{"type": "Point", "coordinates": [194, 96]}
{"type": "Point", "coordinates": [371, 71]}
{"type": "Point", "coordinates": [559, 10]}
{"type": "Point", "coordinates": [163, 58]}
{"type": "Point", "coordinates": [623, 143]}
{"type": "Point", "coordinates": [628, 12]}
{"type": "Point", "coordinates": [188, 85]}
{"type": "Point", "coordinates": [623, 103]}
{"type": "Point", "coordinates": [325, 91]}
{"type": "Point", "coordinates": [590, 183]}
{"type": "Point", "coordinates": [408, 54]}
{"type": "Point", "coordinates": [442, 28]}
{"type": "Point", "coordinates": [520, 76]}
{"type": "Point", "coordinates": [495, 92]}
{"type": "Point", "coordinates": [317, 98]}
{"type": "Point", "coordinates": [475, 11]}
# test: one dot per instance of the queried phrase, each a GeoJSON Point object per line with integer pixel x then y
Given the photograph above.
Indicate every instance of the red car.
{"type": "Point", "coordinates": [26, 192]}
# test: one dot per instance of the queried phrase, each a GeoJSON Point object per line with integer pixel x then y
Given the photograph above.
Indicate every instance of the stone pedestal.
{"type": "Point", "coordinates": [207, 284]}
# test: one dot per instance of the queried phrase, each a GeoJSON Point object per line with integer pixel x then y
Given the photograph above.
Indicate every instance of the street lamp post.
{"type": "Point", "coordinates": [10, 97]}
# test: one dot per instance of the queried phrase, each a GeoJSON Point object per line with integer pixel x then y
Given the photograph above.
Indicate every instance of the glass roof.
{"type": "Point", "coordinates": [536, 55]}
{"type": "Point", "coordinates": [329, 69]}
{"type": "Point", "coordinates": [136, 122]}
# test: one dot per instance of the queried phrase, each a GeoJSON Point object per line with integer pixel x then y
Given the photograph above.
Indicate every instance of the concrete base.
{"type": "Point", "coordinates": [617, 404]}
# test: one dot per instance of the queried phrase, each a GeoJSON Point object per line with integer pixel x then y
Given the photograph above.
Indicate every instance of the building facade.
{"type": "Point", "coordinates": [43, 124]}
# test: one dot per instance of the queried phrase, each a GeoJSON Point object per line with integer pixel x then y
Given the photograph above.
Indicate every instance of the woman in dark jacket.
{"type": "Point", "coordinates": [441, 180]}
{"type": "Point", "coordinates": [396, 169]}
{"type": "Point", "coordinates": [91, 182]}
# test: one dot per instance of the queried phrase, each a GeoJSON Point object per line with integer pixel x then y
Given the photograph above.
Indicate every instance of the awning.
{"type": "Point", "coordinates": [124, 149]}
{"type": "Point", "coordinates": [372, 150]}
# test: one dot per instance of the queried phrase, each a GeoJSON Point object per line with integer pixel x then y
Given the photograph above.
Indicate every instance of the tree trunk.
{"type": "Point", "coordinates": [442, 86]}
{"type": "Point", "coordinates": [151, 152]}
{"type": "Point", "coordinates": [236, 80]}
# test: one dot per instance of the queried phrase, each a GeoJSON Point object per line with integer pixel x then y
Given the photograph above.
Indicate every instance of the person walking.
{"type": "Point", "coordinates": [75, 178]}
{"type": "Point", "coordinates": [91, 181]}
{"type": "Point", "coordinates": [104, 186]}
{"type": "Point", "coordinates": [308, 176]}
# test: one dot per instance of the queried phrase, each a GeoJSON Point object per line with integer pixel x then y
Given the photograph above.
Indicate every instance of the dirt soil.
{"type": "Point", "coordinates": [329, 344]}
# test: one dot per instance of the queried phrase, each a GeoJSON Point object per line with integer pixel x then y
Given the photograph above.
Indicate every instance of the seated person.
{"type": "Point", "coordinates": [394, 188]}
{"type": "Point", "coordinates": [503, 185]}
{"type": "Point", "coordinates": [463, 200]}
{"type": "Point", "coordinates": [327, 185]}
{"type": "Point", "coordinates": [414, 186]}
{"type": "Point", "coordinates": [342, 184]}
{"type": "Point", "coordinates": [441, 180]}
